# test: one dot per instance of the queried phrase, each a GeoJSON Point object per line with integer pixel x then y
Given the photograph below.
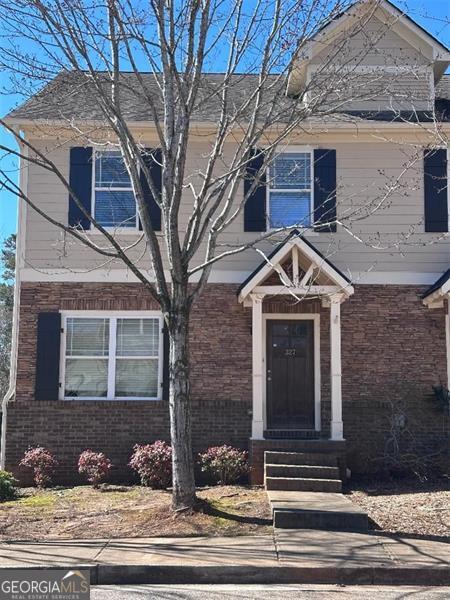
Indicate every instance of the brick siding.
{"type": "Point", "coordinates": [393, 350]}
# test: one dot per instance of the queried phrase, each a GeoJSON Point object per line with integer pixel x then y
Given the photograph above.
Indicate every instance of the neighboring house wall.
{"type": "Point", "coordinates": [393, 351]}
{"type": "Point", "coordinates": [374, 221]}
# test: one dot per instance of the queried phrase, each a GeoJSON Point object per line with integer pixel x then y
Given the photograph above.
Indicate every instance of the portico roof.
{"type": "Point", "coordinates": [440, 288]}
{"type": "Point", "coordinates": [308, 282]}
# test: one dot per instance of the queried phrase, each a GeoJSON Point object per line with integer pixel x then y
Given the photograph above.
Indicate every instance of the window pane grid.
{"type": "Point", "coordinates": [290, 190]}
{"type": "Point", "coordinates": [129, 369]}
{"type": "Point", "coordinates": [113, 196]}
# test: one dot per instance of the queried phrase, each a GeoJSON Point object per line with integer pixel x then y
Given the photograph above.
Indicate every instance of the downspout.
{"type": "Point", "coordinates": [20, 249]}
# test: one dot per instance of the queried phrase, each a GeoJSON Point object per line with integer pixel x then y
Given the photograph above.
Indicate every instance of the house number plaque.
{"type": "Point", "coordinates": [289, 352]}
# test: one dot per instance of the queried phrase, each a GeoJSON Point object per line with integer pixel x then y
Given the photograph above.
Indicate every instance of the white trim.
{"type": "Point", "coordinates": [394, 278]}
{"type": "Point", "coordinates": [20, 253]}
{"type": "Point", "coordinates": [120, 275]}
{"type": "Point", "coordinates": [311, 290]}
{"type": "Point", "coordinates": [315, 317]}
{"type": "Point", "coordinates": [337, 429]}
{"type": "Point", "coordinates": [137, 314]}
{"type": "Point", "coordinates": [310, 254]}
{"type": "Point", "coordinates": [258, 378]}
{"type": "Point", "coordinates": [123, 275]}
{"type": "Point", "coordinates": [112, 316]}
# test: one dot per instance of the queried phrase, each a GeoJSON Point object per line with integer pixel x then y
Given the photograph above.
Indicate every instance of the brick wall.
{"type": "Point", "coordinates": [393, 350]}
{"type": "Point", "coordinates": [221, 385]}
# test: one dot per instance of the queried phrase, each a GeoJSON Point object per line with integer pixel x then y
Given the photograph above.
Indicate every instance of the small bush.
{"type": "Point", "coordinates": [43, 464]}
{"type": "Point", "coordinates": [8, 489]}
{"type": "Point", "coordinates": [153, 464]}
{"type": "Point", "coordinates": [95, 465]}
{"type": "Point", "coordinates": [224, 464]}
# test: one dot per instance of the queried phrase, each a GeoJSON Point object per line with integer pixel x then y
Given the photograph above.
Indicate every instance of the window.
{"type": "Point", "coordinates": [112, 357]}
{"type": "Point", "coordinates": [114, 202]}
{"type": "Point", "coordinates": [290, 190]}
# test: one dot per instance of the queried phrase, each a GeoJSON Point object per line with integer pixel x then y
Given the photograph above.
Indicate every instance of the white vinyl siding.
{"type": "Point", "coordinates": [112, 356]}
{"type": "Point", "coordinates": [290, 190]}
{"type": "Point", "coordinates": [114, 205]}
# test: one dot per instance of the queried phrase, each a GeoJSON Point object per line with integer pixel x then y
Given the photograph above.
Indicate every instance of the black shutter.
{"type": "Point", "coordinates": [152, 159]}
{"type": "Point", "coordinates": [255, 205]}
{"type": "Point", "coordinates": [80, 180]}
{"type": "Point", "coordinates": [436, 190]}
{"type": "Point", "coordinates": [325, 189]}
{"type": "Point", "coordinates": [166, 348]}
{"type": "Point", "coordinates": [48, 356]}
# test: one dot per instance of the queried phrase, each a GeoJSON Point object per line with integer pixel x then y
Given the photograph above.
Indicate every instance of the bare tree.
{"type": "Point", "coordinates": [168, 46]}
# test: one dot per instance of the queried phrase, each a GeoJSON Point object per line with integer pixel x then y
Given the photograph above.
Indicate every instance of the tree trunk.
{"type": "Point", "coordinates": [183, 495]}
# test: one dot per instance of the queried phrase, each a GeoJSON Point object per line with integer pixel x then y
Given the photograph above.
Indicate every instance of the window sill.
{"type": "Point", "coordinates": [129, 399]}
{"type": "Point", "coordinates": [116, 230]}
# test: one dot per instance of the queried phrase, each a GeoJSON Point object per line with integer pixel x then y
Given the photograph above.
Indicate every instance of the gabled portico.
{"type": "Point", "coordinates": [286, 343]}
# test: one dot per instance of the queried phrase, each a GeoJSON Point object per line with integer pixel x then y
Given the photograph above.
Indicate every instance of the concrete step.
{"type": "Point", "coordinates": [316, 510]}
{"type": "Point", "coordinates": [291, 519]}
{"type": "Point", "coordinates": [300, 458]}
{"type": "Point", "coordinates": [303, 484]}
{"type": "Point", "coordinates": [309, 471]}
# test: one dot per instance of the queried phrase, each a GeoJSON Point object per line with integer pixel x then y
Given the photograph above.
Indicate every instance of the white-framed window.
{"type": "Point", "coordinates": [111, 356]}
{"type": "Point", "coordinates": [290, 190]}
{"type": "Point", "coordinates": [113, 201]}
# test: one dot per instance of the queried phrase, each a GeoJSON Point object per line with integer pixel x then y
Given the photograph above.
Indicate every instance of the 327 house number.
{"type": "Point", "coordinates": [289, 352]}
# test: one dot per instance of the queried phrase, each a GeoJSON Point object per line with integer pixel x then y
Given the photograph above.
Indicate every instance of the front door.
{"type": "Point", "coordinates": [290, 374]}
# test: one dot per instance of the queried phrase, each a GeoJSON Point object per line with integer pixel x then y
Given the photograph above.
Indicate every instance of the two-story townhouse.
{"type": "Point", "coordinates": [336, 371]}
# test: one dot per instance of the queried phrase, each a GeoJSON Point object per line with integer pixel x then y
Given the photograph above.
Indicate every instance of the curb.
{"type": "Point", "coordinates": [239, 574]}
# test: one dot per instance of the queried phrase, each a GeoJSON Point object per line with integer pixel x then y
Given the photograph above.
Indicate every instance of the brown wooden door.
{"type": "Point", "coordinates": [290, 374]}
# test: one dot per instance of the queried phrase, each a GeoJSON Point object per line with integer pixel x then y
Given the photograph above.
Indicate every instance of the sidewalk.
{"type": "Point", "coordinates": [289, 556]}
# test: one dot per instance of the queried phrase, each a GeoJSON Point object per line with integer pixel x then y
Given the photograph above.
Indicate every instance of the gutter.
{"type": "Point", "coordinates": [20, 247]}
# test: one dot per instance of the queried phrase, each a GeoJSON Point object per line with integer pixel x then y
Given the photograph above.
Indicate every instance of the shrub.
{"type": "Point", "coordinates": [43, 464]}
{"type": "Point", "coordinates": [153, 464]}
{"type": "Point", "coordinates": [95, 465]}
{"type": "Point", "coordinates": [8, 489]}
{"type": "Point", "coordinates": [224, 464]}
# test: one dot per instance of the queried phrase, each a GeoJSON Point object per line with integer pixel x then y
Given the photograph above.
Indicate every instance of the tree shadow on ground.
{"type": "Point", "coordinates": [213, 511]}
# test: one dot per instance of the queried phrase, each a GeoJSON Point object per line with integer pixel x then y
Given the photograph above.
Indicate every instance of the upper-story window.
{"type": "Point", "coordinates": [114, 202]}
{"type": "Point", "coordinates": [290, 190]}
{"type": "Point", "coordinates": [112, 356]}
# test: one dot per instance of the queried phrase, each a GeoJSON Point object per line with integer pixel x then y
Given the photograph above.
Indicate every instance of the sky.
{"type": "Point", "coordinates": [432, 15]}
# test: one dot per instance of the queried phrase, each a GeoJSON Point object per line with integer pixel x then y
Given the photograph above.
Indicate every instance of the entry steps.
{"type": "Point", "coordinates": [304, 493]}
{"type": "Point", "coordinates": [301, 471]}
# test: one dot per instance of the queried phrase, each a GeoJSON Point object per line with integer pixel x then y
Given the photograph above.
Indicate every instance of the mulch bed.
{"type": "Point", "coordinates": [406, 506]}
{"type": "Point", "coordinates": [132, 511]}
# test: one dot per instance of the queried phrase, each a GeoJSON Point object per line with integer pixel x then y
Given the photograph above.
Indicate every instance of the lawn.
{"type": "Point", "coordinates": [406, 505]}
{"type": "Point", "coordinates": [115, 511]}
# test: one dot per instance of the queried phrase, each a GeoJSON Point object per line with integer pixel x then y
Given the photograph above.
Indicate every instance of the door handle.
{"type": "Point", "coordinates": [269, 375]}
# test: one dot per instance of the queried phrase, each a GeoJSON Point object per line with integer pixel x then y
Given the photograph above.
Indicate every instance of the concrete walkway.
{"type": "Point", "coordinates": [289, 556]}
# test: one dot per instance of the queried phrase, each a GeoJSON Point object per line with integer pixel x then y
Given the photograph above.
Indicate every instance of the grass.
{"type": "Point", "coordinates": [132, 511]}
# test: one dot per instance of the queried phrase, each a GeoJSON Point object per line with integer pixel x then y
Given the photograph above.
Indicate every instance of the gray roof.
{"type": "Point", "coordinates": [69, 96]}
